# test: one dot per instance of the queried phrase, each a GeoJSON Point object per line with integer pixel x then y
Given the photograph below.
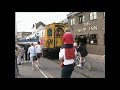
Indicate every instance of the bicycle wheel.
{"type": "Point", "coordinates": [87, 65]}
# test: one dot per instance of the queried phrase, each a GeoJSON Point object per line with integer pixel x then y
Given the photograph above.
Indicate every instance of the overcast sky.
{"type": "Point", "coordinates": [25, 20]}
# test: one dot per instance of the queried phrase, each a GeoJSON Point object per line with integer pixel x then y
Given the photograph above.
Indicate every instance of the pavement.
{"type": "Point", "coordinates": [98, 61]}
{"type": "Point", "coordinates": [101, 58]}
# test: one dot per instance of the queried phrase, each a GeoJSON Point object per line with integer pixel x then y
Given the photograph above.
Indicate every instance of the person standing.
{"type": "Point", "coordinates": [83, 52]}
{"type": "Point", "coordinates": [16, 66]}
{"type": "Point", "coordinates": [22, 54]}
{"type": "Point", "coordinates": [67, 57]}
{"type": "Point", "coordinates": [32, 52]}
{"type": "Point", "coordinates": [26, 55]}
{"type": "Point", "coordinates": [38, 50]}
{"type": "Point", "coordinates": [19, 55]}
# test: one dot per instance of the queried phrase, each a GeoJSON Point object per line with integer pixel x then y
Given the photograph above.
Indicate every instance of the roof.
{"type": "Point", "coordinates": [72, 14]}
{"type": "Point", "coordinates": [64, 21]}
{"type": "Point", "coordinates": [39, 23]}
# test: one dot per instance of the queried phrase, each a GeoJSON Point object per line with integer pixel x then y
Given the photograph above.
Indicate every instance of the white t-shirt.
{"type": "Point", "coordinates": [38, 49]}
{"type": "Point", "coordinates": [31, 50]}
{"type": "Point", "coordinates": [66, 61]}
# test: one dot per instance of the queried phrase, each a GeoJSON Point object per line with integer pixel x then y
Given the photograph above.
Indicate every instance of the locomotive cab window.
{"type": "Point", "coordinates": [49, 32]}
{"type": "Point", "coordinates": [59, 32]}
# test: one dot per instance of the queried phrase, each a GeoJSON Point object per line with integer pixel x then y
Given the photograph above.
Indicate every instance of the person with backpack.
{"type": "Point", "coordinates": [83, 51]}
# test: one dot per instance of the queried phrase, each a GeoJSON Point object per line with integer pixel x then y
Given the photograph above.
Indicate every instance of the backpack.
{"type": "Point", "coordinates": [83, 51]}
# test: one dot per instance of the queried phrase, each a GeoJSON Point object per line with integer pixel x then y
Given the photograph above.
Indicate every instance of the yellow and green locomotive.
{"type": "Point", "coordinates": [53, 39]}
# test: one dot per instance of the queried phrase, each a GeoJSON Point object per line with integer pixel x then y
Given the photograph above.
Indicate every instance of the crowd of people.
{"type": "Point", "coordinates": [28, 53]}
{"type": "Point", "coordinates": [67, 54]}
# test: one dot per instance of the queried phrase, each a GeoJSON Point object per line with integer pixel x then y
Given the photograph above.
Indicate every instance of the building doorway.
{"type": "Point", "coordinates": [81, 39]}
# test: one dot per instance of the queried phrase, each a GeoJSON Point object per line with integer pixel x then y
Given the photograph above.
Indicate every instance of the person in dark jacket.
{"type": "Point", "coordinates": [83, 52]}
{"type": "Point", "coordinates": [27, 58]}
{"type": "Point", "coordinates": [82, 49]}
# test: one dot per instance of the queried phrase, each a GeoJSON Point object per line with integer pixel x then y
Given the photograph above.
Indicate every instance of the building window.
{"type": "Point", "coordinates": [49, 32]}
{"type": "Point", "coordinates": [88, 40]}
{"type": "Point", "coordinates": [93, 15]}
{"type": "Point", "coordinates": [81, 18]}
{"type": "Point", "coordinates": [93, 39]}
{"type": "Point", "coordinates": [72, 22]}
{"type": "Point", "coordinates": [103, 14]}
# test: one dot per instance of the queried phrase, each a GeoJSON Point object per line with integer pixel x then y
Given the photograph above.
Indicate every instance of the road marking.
{"type": "Point", "coordinates": [42, 72]}
{"type": "Point", "coordinates": [47, 75]}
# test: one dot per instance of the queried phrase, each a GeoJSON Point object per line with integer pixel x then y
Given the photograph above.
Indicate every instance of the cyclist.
{"type": "Point", "coordinates": [83, 52]}
{"type": "Point", "coordinates": [75, 45]}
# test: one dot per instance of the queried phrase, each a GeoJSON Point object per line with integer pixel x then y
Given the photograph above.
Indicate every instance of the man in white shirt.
{"type": "Point", "coordinates": [68, 64]}
{"type": "Point", "coordinates": [38, 50]}
{"type": "Point", "coordinates": [32, 52]}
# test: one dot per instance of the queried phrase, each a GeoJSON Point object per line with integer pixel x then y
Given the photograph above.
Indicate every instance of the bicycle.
{"type": "Point", "coordinates": [84, 63]}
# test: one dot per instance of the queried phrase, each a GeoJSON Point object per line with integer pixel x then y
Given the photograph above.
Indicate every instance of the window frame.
{"type": "Point", "coordinates": [82, 17]}
{"type": "Point", "coordinates": [93, 39]}
{"type": "Point", "coordinates": [93, 15]}
{"type": "Point", "coordinates": [48, 33]}
{"type": "Point", "coordinates": [72, 21]}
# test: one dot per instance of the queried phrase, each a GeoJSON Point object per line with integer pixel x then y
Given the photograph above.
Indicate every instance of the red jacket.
{"type": "Point", "coordinates": [68, 38]}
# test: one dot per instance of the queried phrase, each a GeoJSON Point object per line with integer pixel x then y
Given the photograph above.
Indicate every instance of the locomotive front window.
{"type": "Point", "coordinates": [49, 32]}
{"type": "Point", "coordinates": [58, 32]}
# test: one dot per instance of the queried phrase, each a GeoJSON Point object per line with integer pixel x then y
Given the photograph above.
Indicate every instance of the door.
{"type": "Point", "coordinates": [58, 37]}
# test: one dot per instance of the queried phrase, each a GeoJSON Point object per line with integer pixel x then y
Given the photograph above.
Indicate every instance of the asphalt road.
{"type": "Point", "coordinates": [51, 69]}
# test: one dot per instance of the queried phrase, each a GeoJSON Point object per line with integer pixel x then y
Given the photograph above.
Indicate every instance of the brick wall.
{"type": "Point", "coordinates": [85, 29]}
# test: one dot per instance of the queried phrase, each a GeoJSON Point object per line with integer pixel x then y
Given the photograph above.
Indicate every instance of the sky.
{"type": "Point", "coordinates": [25, 20]}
